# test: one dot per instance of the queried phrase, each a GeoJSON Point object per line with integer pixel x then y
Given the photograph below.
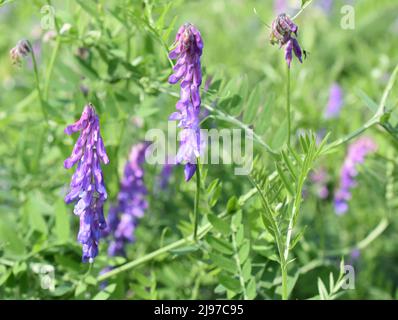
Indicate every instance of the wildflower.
{"type": "Point", "coordinates": [123, 217]}
{"type": "Point", "coordinates": [284, 32]}
{"type": "Point", "coordinates": [20, 51]}
{"type": "Point", "coordinates": [87, 186]}
{"type": "Point", "coordinates": [357, 152]}
{"type": "Point", "coordinates": [319, 179]}
{"type": "Point", "coordinates": [165, 174]}
{"type": "Point", "coordinates": [335, 102]}
{"type": "Point", "coordinates": [188, 50]}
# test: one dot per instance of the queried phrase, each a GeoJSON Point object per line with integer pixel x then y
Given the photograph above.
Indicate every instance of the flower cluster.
{"type": "Point", "coordinates": [20, 51]}
{"type": "Point", "coordinates": [282, 31]}
{"type": "Point", "coordinates": [131, 205]}
{"type": "Point", "coordinates": [187, 50]}
{"type": "Point", "coordinates": [357, 152]}
{"type": "Point", "coordinates": [335, 102]}
{"type": "Point", "coordinates": [87, 185]}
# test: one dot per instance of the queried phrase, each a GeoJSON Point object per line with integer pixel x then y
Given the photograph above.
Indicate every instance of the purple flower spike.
{"type": "Point", "coordinates": [123, 217]}
{"type": "Point", "coordinates": [87, 187]}
{"type": "Point", "coordinates": [284, 33]}
{"type": "Point", "coordinates": [357, 152]}
{"type": "Point", "coordinates": [187, 50]}
{"type": "Point", "coordinates": [335, 102]}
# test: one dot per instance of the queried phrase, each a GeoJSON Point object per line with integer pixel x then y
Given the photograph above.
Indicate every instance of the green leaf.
{"type": "Point", "coordinates": [280, 136]}
{"type": "Point", "coordinates": [10, 241]}
{"type": "Point", "coordinates": [251, 289]}
{"type": "Point", "coordinates": [252, 105]}
{"type": "Point", "coordinates": [286, 182]}
{"type": "Point", "coordinates": [263, 119]}
{"type": "Point", "coordinates": [236, 220]}
{"type": "Point", "coordinates": [105, 293]}
{"type": "Point", "coordinates": [220, 245]}
{"type": "Point", "coordinates": [230, 283]}
{"type": "Point", "coordinates": [232, 204]}
{"type": "Point", "coordinates": [246, 270]}
{"type": "Point", "coordinates": [62, 224]}
{"type": "Point", "coordinates": [244, 251]}
{"type": "Point", "coordinates": [219, 224]}
{"type": "Point", "coordinates": [33, 209]}
{"type": "Point", "coordinates": [223, 262]}
{"type": "Point", "coordinates": [322, 290]}
{"type": "Point", "coordinates": [371, 104]}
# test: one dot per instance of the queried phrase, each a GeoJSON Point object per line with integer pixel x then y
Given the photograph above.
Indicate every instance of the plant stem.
{"type": "Point", "coordinates": [284, 281]}
{"type": "Point", "coordinates": [288, 106]}
{"type": "Point", "coordinates": [179, 243]}
{"type": "Point", "coordinates": [51, 67]}
{"type": "Point", "coordinates": [197, 197]}
{"type": "Point", "coordinates": [37, 80]}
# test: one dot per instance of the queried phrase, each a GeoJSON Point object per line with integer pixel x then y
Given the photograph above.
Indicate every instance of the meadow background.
{"type": "Point", "coordinates": [114, 54]}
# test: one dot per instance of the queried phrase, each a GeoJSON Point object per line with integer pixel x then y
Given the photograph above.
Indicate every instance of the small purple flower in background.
{"type": "Point", "coordinates": [87, 185]}
{"type": "Point", "coordinates": [335, 102]}
{"type": "Point", "coordinates": [357, 152]}
{"type": "Point", "coordinates": [280, 6]}
{"type": "Point", "coordinates": [319, 179]}
{"type": "Point", "coordinates": [355, 254]}
{"type": "Point", "coordinates": [282, 31]}
{"type": "Point", "coordinates": [326, 5]}
{"type": "Point", "coordinates": [20, 51]}
{"type": "Point", "coordinates": [165, 174]}
{"type": "Point", "coordinates": [187, 50]}
{"type": "Point", "coordinates": [131, 205]}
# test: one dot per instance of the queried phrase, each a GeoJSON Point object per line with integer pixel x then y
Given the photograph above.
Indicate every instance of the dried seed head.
{"type": "Point", "coordinates": [20, 51]}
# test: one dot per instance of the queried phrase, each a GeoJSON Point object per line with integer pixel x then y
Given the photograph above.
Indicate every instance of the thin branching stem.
{"type": "Point", "coordinates": [197, 198]}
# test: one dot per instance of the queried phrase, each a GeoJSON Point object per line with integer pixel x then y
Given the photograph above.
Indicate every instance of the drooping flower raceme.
{"type": "Point", "coordinates": [357, 152]}
{"type": "Point", "coordinates": [188, 50]}
{"type": "Point", "coordinates": [87, 187]}
{"type": "Point", "coordinates": [284, 32]}
{"type": "Point", "coordinates": [131, 203]}
{"type": "Point", "coordinates": [335, 102]}
{"type": "Point", "coordinates": [20, 51]}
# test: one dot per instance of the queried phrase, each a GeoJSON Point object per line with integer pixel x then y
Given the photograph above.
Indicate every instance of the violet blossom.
{"type": "Point", "coordinates": [187, 51]}
{"type": "Point", "coordinates": [87, 187]}
{"type": "Point", "coordinates": [357, 152]}
{"type": "Point", "coordinates": [284, 32]}
{"type": "Point", "coordinates": [131, 203]}
{"type": "Point", "coordinates": [335, 102]}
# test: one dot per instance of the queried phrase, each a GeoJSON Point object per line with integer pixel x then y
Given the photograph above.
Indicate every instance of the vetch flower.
{"type": "Point", "coordinates": [319, 179]}
{"type": "Point", "coordinates": [131, 205]}
{"type": "Point", "coordinates": [165, 174]}
{"type": "Point", "coordinates": [357, 152]}
{"type": "Point", "coordinates": [187, 50]}
{"type": "Point", "coordinates": [284, 32]}
{"type": "Point", "coordinates": [87, 187]}
{"type": "Point", "coordinates": [335, 101]}
{"type": "Point", "coordinates": [20, 51]}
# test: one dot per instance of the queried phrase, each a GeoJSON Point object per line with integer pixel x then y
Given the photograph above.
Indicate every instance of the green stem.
{"type": "Point", "coordinates": [238, 265]}
{"type": "Point", "coordinates": [284, 281]}
{"type": "Point", "coordinates": [197, 197]}
{"type": "Point", "coordinates": [172, 246]}
{"type": "Point", "coordinates": [288, 106]}
{"type": "Point", "coordinates": [37, 80]}
{"type": "Point", "coordinates": [51, 67]}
